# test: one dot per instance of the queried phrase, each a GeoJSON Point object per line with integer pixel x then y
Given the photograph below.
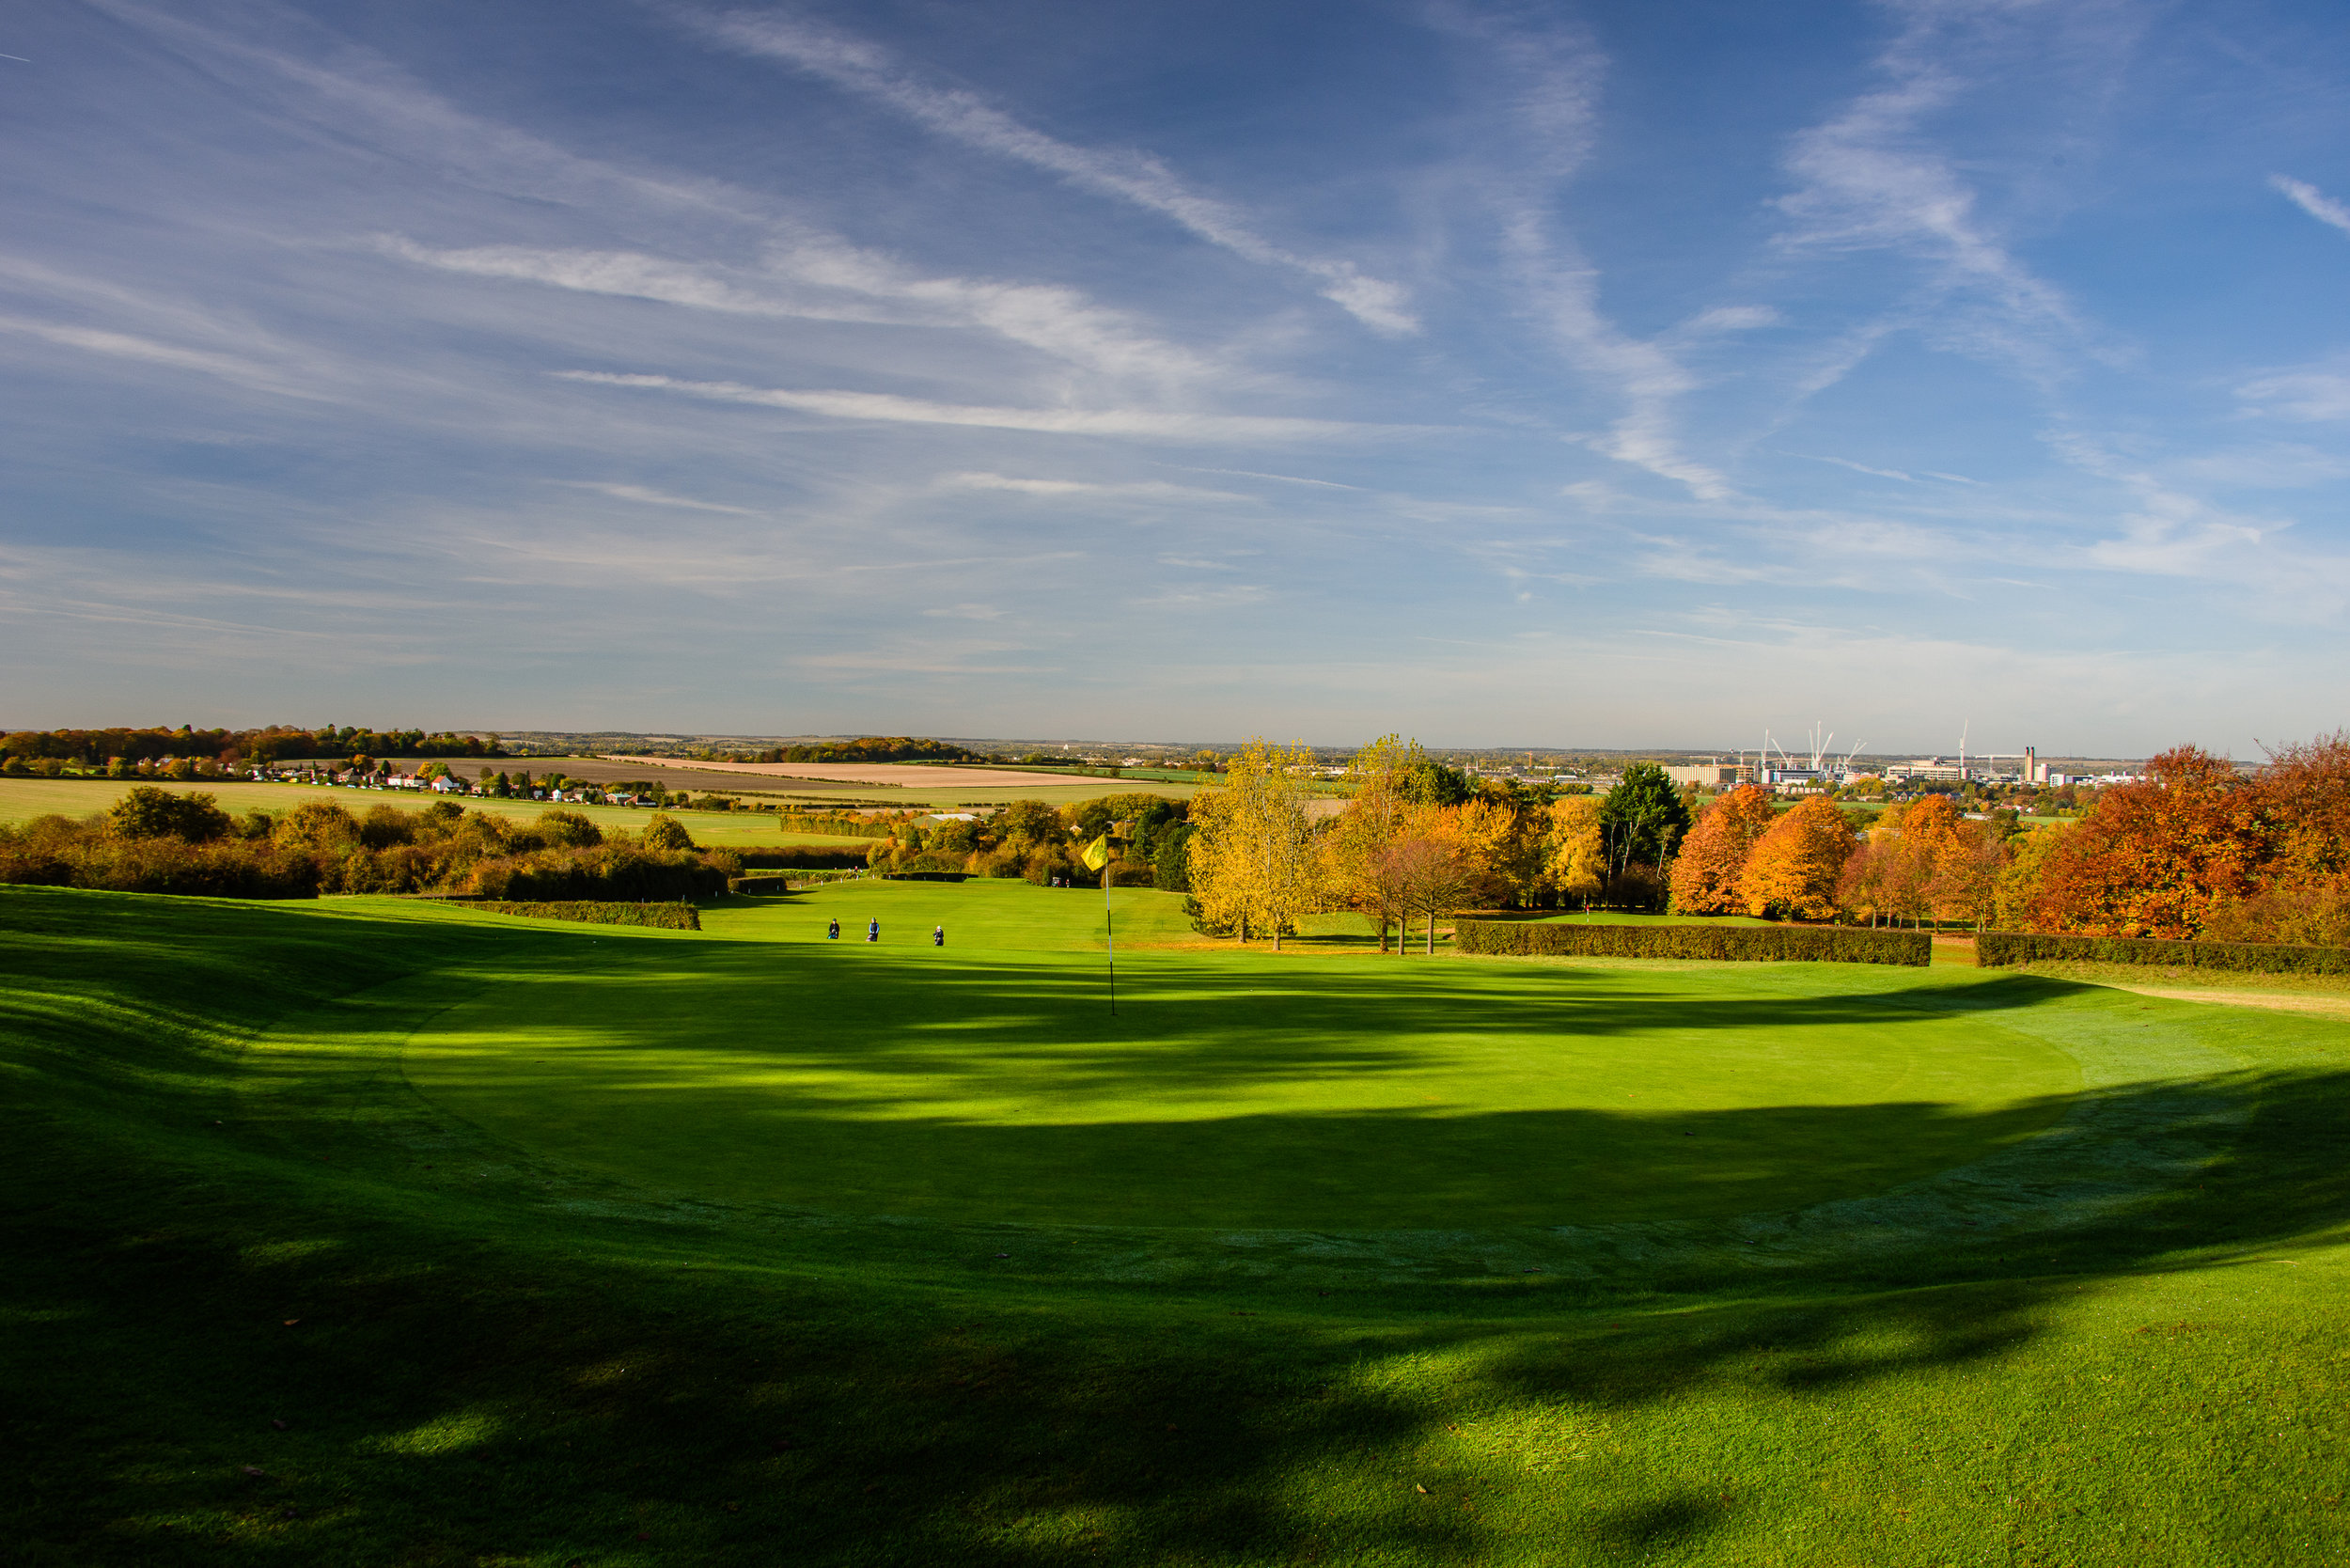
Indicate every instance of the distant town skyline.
{"type": "Point", "coordinates": [1471, 370]}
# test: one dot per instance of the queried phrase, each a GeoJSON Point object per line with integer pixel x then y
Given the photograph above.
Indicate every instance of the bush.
{"type": "Point", "coordinates": [661, 916]}
{"type": "Point", "coordinates": [231, 869]}
{"type": "Point", "coordinates": [606, 873]}
{"type": "Point", "coordinates": [316, 826]}
{"type": "Point", "coordinates": [1735, 944]}
{"type": "Point", "coordinates": [666, 833]}
{"type": "Point", "coordinates": [147, 813]}
{"type": "Point", "coordinates": [571, 830]}
{"type": "Point", "coordinates": [2001, 948]}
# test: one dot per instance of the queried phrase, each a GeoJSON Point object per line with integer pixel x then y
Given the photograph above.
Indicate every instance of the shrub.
{"type": "Point", "coordinates": [386, 826]}
{"type": "Point", "coordinates": [316, 826]}
{"type": "Point", "coordinates": [147, 813]}
{"type": "Point", "coordinates": [2002, 948]}
{"type": "Point", "coordinates": [605, 872]}
{"type": "Point", "coordinates": [666, 833]}
{"type": "Point", "coordinates": [661, 916]}
{"type": "Point", "coordinates": [571, 830]}
{"type": "Point", "coordinates": [1737, 944]}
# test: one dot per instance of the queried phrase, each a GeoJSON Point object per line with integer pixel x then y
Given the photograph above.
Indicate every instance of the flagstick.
{"type": "Point", "coordinates": [1109, 934]}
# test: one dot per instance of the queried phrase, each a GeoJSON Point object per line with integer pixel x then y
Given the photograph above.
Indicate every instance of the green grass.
{"type": "Point", "coordinates": [633, 1247]}
{"type": "Point", "coordinates": [23, 799]}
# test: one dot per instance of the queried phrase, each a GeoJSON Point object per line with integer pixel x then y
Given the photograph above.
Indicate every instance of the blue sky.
{"type": "Point", "coordinates": [1615, 375]}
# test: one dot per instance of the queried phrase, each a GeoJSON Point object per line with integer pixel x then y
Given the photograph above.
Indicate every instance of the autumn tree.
{"type": "Point", "coordinates": [1501, 833]}
{"type": "Point", "coordinates": [2301, 803]}
{"type": "Point", "coordinates": [1705, 873]}
{"type": "Point", "coordinates": [2155, 858]}
{"type": "Point", "coordinates": [1360, 874]}
{"type": "Point", "coordinates": [1574, 849]}
{"type": "Point", "coordinates": [1795, 866]}
{"type": "Point", "coordinates": [1434, 872]}
{"type": "Point", "coordinates": [1253, 861]}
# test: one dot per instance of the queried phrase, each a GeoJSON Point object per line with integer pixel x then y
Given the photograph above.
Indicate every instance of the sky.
{"type": "Point", "coordinates": [1616, 375]}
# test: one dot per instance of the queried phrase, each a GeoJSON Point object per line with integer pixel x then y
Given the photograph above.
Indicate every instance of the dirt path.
{"type": "Point", "coordinates": [2327, 1007]}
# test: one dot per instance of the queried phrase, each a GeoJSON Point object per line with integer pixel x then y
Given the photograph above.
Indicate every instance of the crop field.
{"type": "Point", "coordinates": [894, 785]}
{"type": "Point", "coordinates": [374, 1231]}
{"type": "Point", "coordinates": [23, 799]}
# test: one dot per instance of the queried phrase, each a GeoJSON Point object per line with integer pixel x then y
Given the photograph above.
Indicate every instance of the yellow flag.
{"type": "Point", "coordinates": [1097, 853]}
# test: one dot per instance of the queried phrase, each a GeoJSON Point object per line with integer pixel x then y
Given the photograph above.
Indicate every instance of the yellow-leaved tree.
{"type": "Point", "coordinates": [1253, 861]}
{"type": "Point", "coordinates": [1574, 849]}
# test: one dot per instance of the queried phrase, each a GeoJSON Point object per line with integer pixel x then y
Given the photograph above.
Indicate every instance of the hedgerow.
{"type": "Point", "coordinates": [154, 842]}
{"type": "Point", "coordinates": [2006, 949]}
{"type": "Point", "coordinates": [798, 857]}
{"type": "Point", "coordinates": [661, 916]}
{"type": "Point", "coordinates": [1736, 944]}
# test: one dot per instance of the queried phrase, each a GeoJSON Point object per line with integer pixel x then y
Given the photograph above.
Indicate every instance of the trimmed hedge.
{"type": "Point", "coordinates": [2001, 948]}
{"type": "Point", "coordinates": [803, 858]}
{"type": "Point", "coordinates": [662, 916]}
{"type": "Point", "coordinates": [1735, 944]}
{"type": "Point", "coordinates": [759, 887]}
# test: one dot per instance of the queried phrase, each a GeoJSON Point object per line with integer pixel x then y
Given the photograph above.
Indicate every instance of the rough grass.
{"type": "Point", "coordinates": [2113, 1340]}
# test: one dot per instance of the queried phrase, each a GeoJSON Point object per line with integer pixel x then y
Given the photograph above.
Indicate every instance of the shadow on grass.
{"type": "Point", "coordinates": [454, 1389]}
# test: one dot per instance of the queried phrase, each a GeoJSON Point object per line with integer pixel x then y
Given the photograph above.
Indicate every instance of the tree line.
{"type": "Point", "coordinates": [91, 750]}
{"type": "Point", "coordinates": [1414, 841]}
{"type": "Point", "coordinates": [156, 841]}
{"type": "Point", "coordinates": [2197, 848]}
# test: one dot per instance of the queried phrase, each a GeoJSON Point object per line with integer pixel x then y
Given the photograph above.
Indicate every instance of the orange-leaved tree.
{"type": "Point", "coordinates": [1360, 874]}
{"type": "Point", "coordinates": [2155, 858]}
{"type": "Point", "coordinates": [1713, 855]}
{"type": "Point", "coordinates": [1795, 866]}
{"type": "Point", "coordinates": [1434, 872]}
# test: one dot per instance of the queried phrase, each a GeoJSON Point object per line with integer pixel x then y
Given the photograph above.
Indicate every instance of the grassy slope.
{"type": "Point", "coordinates": [23, 799]}
{"type": "Point", "coordinates": [2118, 1344]}
{"type": "Point", "coordinates": [988, 1080]}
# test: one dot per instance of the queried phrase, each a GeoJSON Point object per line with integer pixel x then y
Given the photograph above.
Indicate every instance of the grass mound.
{"type": "Point", "coordinates": [320, 1249]}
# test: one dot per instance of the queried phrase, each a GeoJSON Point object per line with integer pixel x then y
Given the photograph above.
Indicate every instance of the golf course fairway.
{"type": "Point", "coordinates": [379, 1231]}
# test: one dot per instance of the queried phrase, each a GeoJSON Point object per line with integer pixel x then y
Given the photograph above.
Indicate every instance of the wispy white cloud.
{"type": "Point", "coordinates": [656, 498]}
{"type": "Point", "coordinates": [148, 351]}
{"type": "Point", "coordinates": [2316, 395]}
{"type": "Point", "coordinates": [1872, 177]}
{"type": "Point", "coordinates": [1141, 490]}
{"type": "Point", "coordinates": [2316, 203]}
{"type": "Point", "coordinates": [1549, 75]}
{"type": "Point", "coordinates": [1856, 467]}
{"type": "Point", "coordinates": [1145, 424]}
{"type": "Point", "coordinates": [868, 69]}
{"type": "Point", "coordinates": [825, 278]}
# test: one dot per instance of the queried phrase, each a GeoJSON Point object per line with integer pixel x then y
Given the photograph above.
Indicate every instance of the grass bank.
{"type": "Point", "coordinates": [380, 1232]}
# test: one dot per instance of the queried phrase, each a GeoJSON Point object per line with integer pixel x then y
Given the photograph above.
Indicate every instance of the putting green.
{"type": "Point", "coordinates": [987, 1080]}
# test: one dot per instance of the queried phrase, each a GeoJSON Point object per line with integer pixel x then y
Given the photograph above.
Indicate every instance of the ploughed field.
{"type": "Point", "coordinates": [375, 1232]}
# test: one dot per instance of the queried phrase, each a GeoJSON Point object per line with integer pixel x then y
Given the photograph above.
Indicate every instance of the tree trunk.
{"type": "Point", "coordinates": [1431, 933]}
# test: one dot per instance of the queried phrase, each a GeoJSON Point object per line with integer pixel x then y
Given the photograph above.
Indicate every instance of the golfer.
{"type": "Point", "coordinates": [872, 931]}
{"type": "Point", "coordinates": [832, 932]}
{"type": "Point", "coordinates": [938, 936]}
